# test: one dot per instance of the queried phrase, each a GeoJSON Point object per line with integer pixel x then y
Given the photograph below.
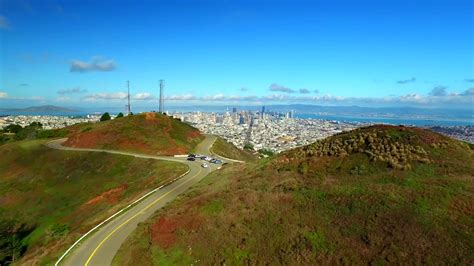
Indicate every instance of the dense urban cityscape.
{"type": "Point", "coordinates": [259, 131]}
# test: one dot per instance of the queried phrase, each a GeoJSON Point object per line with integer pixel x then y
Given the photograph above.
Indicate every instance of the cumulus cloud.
{"type": "Point", "coordinates": [437, 97]}
{"type": "Point", "coordinates": [5, 96]}
{"type": "Point", "coordinates": [407, 99]}
{"type": "Point", "coordinates": [305, 91]}
{"type": "Point", "coordinates": [4, 24]}
{"type": "Point", "coordinates": [184, 97]}
{"type": "Point", "coordinates": [438, 91]}
{"type": "Point", "coordinates": [106, 96]}
{"type": "Point", "coordinates": [71, 91]}
{"type": "Point", "coordinates": [97, 63]}
{"type": "Point", "coordinates": [280, 88]}
{"type": "Point", "coordinates": [468, 92]}
{"type": "Point", "coordinates": [143, 96]}
{"type": "Point", "coordinates": [406, 81]}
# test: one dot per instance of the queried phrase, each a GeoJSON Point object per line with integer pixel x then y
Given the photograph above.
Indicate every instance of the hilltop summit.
{"type": "Point", "coordinates": [150, 133]}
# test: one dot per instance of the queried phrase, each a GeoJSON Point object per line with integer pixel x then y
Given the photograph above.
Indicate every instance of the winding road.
{"type": "Point", "coordinates": [100, 247]}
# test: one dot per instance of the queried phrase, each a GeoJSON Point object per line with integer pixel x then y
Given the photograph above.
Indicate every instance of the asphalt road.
{"type": "Point", "coordinates": [101, 246]}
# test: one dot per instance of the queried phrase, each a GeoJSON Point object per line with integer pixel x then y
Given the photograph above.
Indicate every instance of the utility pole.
{"type": "Point", "coordinates": [128, 97]}
{"type": "Point", "coordinates": [162, 100]}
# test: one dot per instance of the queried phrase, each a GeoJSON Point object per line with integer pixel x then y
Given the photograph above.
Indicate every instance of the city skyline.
{"type": "Point", "coordinates": [391, 53]}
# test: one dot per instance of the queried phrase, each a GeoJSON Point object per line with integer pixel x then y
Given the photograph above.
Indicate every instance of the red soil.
{"type": "Point", "coordinates": [10, 199]}
{"type": "Point", "coordinates": [111, 196]}
{"type": "Point", "coordinates": [163, 231]}
{"type": "Point", "coordinates": [150, 117]}
{"type": "Point", "coordinates": [193, 134]}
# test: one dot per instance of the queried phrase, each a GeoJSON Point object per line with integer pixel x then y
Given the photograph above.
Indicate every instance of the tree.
{"type": "Point", "coordinates": [105, 117]}
{"type": "Point", "coordinates": [37, 125]}
{"type": "Point", "coordinates": [13, 128]}
{"type": "Point", "coordinates": [248, 146]}
{"type": "Point", "coordinates": [119, 115]}
{"type": "Point", "coordinates": [266, 152]}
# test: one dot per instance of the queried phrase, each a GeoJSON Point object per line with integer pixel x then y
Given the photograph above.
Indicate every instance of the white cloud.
{"type": "Point", "coordinates": [106, 96]}
{"type": "Point", "coordinates": [5, 96]}
{"type": "Point", "coordinates": [97, 63]}
{"type": "Point", "coordinates": [143, 96]}
{"type": "Point", "coordinates": [280, 88]}
{"type": "Point", "coordinates": [441, 97]}
{"type": "Point", "coordinates": [183, 97]}
{"type": "Point", "coordinates": [438, 91]}
{"type": "Point", "coordinates": [468, 92]}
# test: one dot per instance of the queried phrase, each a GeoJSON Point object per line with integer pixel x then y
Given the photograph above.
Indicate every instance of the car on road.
{"type": "Point", "coordinates": [205, 165]}
{"type": "Point", "coordinates": [191, 159]}
{"type": "Point", "coordinates": [205, 158]}
{"type": "Point", "coordinates": [216, 161]}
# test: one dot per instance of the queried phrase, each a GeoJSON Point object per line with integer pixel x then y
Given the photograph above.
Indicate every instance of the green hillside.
{"type": "Point", "coordinates": [228, 150]}
{"type": "Point", "coordinates": [48, 198]}
{"type": "Point", "coordinates": [376, 195]}
{"type": "Point", "coordinates": [149, 133]}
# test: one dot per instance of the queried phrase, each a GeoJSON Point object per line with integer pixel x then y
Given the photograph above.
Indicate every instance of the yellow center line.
{"type": "Point", "coordinates": [131, 218]}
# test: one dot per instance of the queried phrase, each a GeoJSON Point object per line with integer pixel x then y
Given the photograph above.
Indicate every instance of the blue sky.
{"type": "Point", "coordinates": [368, 53]}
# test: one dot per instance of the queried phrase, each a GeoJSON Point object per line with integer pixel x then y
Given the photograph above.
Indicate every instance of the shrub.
{"type": "Point", "coordinates": [120, 115]}
{"type": "Point", "coordinates": [105, 117]}
{"type": "Point", "coordinates": [248, 146]}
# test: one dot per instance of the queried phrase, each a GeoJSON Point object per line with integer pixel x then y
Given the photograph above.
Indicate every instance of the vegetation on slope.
{"type": "Point", "coordinates": [318, 205]}
{"type": "Point", "coordinates": [12, 133]}
{"type": "Point", "coordinates": [228, 150]}
{"type": "Point", "coordinates": [150, 133]}
{"type": "Point", "coordinates": [48, 198]}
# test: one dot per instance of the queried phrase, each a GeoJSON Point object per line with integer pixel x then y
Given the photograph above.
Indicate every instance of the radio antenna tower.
{"type": "Point", "coordinates": [128, 98]}
{"type": "Point", "coordinates": [162, 100]}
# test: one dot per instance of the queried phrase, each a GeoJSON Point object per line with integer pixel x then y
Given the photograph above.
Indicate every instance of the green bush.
{"type": "Point", "coordinates": [105, 117]}
{"type": "Point", "coordinates": [248, 146]}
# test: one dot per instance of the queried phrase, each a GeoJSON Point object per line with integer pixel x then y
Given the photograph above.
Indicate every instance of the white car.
{"type": "Point", "coordinates": [205, 165]}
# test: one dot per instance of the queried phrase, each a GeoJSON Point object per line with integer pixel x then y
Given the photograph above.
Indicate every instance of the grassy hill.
{"type": "Point", "coordinates": [48, 198]}
{"type": "Point", "coordinates": [228, 150]}
{"type": "Point", "coordinates": [376, 195]}
{"type": "Point", "coordinates": [149, 133]}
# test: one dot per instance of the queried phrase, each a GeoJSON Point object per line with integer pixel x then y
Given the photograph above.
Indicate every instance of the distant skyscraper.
{"type": "Point", "coordinates": [234, 110]}
{"type": "Point", "coordinates": [162, 99]}
{"type": "Point", "coordinates": [241, 119]}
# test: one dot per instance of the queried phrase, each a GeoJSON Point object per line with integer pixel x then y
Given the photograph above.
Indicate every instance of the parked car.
{"type": "Point", "coordinates": [205, 165]}
{"type": "Point", "coordinates": [191, 159]}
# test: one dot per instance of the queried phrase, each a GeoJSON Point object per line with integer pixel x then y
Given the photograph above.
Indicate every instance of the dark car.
{"type": "Point", "coordinates": [191, 159]}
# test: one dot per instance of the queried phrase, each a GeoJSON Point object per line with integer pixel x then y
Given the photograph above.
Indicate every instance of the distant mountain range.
{"type": "Point", "coordinates": [42, 108]}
